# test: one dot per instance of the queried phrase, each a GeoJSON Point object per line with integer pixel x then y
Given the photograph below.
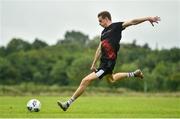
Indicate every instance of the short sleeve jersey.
{"type": "Point", "coordinates": [110, 38]}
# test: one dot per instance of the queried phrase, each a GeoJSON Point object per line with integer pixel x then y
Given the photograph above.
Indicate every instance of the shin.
{"type": "Point", "coordinates": [84, 83]}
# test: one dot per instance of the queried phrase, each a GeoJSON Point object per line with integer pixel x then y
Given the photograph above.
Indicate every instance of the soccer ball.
{"type": "Point", "coordinates": [34, 105]}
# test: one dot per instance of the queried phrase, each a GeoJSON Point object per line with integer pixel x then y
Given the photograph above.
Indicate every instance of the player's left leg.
{"type": "Point", "coordinates": [83, 85]}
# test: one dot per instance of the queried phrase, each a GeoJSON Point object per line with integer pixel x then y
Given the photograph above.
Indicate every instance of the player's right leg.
{"type": "Point", "coordinates": [122, 75]}
{"type": "Point", "coordinates": [84, 83]}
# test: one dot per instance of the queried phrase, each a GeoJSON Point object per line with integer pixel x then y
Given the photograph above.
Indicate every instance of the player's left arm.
{"type": "Point", "coordinates": [136, 21]}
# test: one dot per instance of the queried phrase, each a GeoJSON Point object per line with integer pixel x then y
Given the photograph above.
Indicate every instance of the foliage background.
{"type": "Point", "coordinates": [69, 60]}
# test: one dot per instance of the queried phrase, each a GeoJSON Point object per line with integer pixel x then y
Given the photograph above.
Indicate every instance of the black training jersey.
{"type": "Point", "coordinates": [110, 38]}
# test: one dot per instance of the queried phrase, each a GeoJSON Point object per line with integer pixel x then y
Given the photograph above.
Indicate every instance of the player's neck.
{"type": "Point", "coordinates": [108, 24]}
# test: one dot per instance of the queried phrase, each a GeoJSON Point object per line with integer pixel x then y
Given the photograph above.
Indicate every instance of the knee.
{"type": "Point", "coordinates": [111, 80]}
{"type": "Point", "coordinates": [85, 81]}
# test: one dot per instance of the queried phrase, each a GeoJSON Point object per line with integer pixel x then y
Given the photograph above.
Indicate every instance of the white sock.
{"type": "Point", "coordinates": [70, 101]}
{"type": "Point", "coordinates": [130, 74]}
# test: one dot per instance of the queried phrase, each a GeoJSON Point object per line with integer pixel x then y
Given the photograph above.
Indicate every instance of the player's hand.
{"type": "Point", "coordinates": [93, 68]}
{"type": "Point", "coordinates": [153, 20]}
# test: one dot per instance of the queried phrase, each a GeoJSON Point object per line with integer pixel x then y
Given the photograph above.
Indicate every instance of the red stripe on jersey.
{"type": "Point", "coordinates": [109, 51]}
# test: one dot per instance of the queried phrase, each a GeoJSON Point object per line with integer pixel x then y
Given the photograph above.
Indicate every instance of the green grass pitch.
{"type": "Point", "coordinates": [93, 107]}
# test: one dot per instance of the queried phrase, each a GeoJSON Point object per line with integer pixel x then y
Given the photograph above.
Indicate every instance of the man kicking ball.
{"type": "Point", "coordinates": [107, 53]}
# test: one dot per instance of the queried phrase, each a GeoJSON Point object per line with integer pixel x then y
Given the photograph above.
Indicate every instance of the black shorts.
{"type": "Point", "coordinates": [106, 67]}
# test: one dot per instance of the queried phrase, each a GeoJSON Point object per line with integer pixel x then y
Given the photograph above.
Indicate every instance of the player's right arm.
{"type": "Point", "coordinates": [96, 57]}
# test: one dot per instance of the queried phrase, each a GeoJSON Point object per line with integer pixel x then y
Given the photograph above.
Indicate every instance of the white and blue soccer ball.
{"type": "Point", "coordinates": [34, 105]}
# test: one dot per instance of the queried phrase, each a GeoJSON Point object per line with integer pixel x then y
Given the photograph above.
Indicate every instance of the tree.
{"type": "Point", "coordinates": [93, 44]}
{"type": "Point", "coordinates": [37, 44]}
{"type": "Point", "coordinates": [2, 51]}
{"type": "Point", "coordinates": [16, 45]}
{"type": "Point", "coordinates": [80, 67]}
{"type": "Point", "coordinates": [173, 83]}
{"type": "Point", "coordinates": [175, 54]}
{"type": "Point", "coordinates": [75, 37]}
{"type": "Point", "coordinates": [8, 74]}
{"type": "Point", "coordinates": [59, 73]}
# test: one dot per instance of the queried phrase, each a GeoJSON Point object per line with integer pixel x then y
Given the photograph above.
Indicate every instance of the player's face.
{"type": "Point", "coordinates": [102, 22]}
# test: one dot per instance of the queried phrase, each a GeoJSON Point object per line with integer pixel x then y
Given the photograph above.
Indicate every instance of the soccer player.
{"type": "Point", "coordinates": [107, 53]}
